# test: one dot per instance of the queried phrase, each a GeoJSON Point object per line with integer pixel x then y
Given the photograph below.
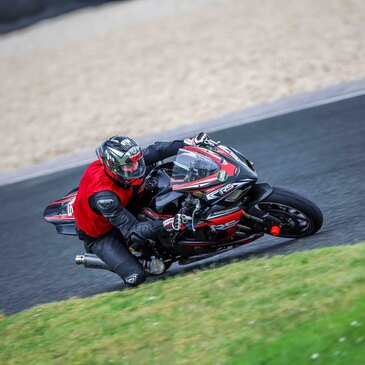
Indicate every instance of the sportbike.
{"type": "Point", "coordinates": [214, 188]}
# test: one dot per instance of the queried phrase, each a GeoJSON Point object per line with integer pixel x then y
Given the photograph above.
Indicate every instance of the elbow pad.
{"type": "Point", "coordinates": [107, 203]}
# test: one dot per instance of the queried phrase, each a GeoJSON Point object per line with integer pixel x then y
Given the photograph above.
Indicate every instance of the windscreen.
{"type": "Point", "coordinates": [190, 166]}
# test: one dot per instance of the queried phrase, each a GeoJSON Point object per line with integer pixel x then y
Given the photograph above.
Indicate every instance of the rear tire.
{"type": "Point", "coordinates": [300, 217]}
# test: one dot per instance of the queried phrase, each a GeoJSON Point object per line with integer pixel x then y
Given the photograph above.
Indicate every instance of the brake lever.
{"type": "Point", "coordinates": [196, 209]}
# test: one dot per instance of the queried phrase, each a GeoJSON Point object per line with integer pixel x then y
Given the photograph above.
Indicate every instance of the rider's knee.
{"type": "Point", "coordinates": [134, 276]}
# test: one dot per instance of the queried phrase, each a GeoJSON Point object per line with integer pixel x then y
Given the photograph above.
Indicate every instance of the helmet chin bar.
{"type": "Point", "coordinates": [134, 182]}
{"type": "Point", "coordinates": [127, 182]}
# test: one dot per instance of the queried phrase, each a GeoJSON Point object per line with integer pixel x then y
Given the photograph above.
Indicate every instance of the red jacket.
{"type": "Point", "coordinates": [93, 181]}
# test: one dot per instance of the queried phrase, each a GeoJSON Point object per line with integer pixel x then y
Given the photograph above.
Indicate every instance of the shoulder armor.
{"type": "Point", "coordinates": [107, 204]}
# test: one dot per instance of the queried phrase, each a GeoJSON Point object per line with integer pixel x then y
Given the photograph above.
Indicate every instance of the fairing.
{"type": "Point", "coordinates": [61, 214]}
{"type": "Point", "coordinates": [218, 178]}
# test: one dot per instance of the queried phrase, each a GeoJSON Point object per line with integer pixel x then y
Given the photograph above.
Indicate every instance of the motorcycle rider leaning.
{"type": "Point", "coordinates": [105, 198]}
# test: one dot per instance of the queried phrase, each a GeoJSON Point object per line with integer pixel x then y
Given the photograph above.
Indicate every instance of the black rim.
{"type": "Point", "coordinates": [294, 221]}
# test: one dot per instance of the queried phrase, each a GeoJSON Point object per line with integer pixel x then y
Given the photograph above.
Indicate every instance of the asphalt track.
{"type": "Point", "coordinates": [318, 152]}
{"type": "Point", "coordinates": [23, 13]}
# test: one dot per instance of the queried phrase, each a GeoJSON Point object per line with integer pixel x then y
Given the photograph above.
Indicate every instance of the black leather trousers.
{"type": "Point", "coordinates": [112, 249]}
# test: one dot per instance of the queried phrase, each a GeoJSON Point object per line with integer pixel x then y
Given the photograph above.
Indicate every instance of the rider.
{"type": "Point", "coordinates": [105, 200]}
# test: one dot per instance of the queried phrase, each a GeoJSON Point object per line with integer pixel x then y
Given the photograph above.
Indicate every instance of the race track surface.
{"type": "Point", "coordinates": [318, 152]}
{"type": "Point", "coordinates": [23, 13]}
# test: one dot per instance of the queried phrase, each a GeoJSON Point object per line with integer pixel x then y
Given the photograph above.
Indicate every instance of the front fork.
{"type": "Point", "coordinates": [262, 220]}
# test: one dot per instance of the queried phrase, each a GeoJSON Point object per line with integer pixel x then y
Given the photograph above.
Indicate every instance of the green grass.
{"type": "Point", "coordinates": [305, 308]}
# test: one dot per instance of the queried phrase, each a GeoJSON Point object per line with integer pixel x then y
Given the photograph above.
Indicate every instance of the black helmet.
{"type": "Point", "coordinates": [122, 159]}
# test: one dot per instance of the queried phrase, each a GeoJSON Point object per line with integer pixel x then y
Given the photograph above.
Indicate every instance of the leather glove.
{"type": "Point", "coordinates": [177, 223]}
{"type": "Point", "coordinates": [199, 140]}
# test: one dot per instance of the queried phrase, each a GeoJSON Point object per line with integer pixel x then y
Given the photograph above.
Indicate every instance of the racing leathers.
{"type": "Point", "coordinates": [104, 220]}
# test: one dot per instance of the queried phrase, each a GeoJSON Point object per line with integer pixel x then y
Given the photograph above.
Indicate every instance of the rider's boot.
{"type": "Point", "coordinates": [153, 266]}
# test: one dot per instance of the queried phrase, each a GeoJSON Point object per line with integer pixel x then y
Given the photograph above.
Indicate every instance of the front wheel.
{"type": "Point", "coordinates": [299, 216]}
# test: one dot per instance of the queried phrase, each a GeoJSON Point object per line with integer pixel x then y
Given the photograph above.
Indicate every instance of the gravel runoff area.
{"type": "Point", "coordinates": [144, 66]}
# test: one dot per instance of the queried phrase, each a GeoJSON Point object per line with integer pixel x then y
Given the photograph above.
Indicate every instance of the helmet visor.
{"type": "Point", "coordinates": [132, 170]}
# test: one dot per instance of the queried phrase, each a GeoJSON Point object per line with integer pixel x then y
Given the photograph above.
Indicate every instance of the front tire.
{"type": "Point", "coordinates": [300, 217]}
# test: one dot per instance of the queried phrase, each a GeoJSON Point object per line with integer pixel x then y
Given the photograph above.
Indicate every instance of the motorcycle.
{"type": "Point", "coordinates": [216, 187]}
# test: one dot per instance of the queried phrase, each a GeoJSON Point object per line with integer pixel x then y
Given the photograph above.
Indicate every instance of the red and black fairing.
{"type": "Point", "coordinates": [218, 178]}
{"type": "Point", "coordinates": [61, 214]}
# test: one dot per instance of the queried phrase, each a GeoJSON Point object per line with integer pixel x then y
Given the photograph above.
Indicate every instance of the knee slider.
{"type": "Point", "coordinates": [130, 271]}
{"type": "Point", "coordinates": [135, 278]}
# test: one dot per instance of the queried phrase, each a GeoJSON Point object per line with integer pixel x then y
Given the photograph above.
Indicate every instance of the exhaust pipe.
{"type": "Point", "coordinates": [91, 261]}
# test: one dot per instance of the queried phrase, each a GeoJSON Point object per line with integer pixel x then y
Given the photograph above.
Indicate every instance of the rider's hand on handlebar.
{"type": "Point", "coordinates": [177, 223]}
{"type": "Point", "coordinates": [201, 139]}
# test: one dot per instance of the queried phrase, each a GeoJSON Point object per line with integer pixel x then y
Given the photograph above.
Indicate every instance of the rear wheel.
{"type": "Point", "coordinates": [299, 216]}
